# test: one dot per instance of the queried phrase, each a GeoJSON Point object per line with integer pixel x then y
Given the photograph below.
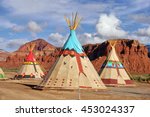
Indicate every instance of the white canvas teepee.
{"type": "Point", "coordinates": [113, 72]}
{"type": "Point", "coordinates": [30, 68]}
{"type": "Point", "coordinates": [73, 69]}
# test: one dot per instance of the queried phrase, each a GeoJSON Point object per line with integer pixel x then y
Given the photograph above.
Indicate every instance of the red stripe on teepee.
{"type": "Point", "coordinates": [77, 55]}
{"type": "Point", "coordinates": [129, 81]}
{"type": "Point", "coordinates": [71, 53]}
{"type": "Point", "coordinates": [109, 81]}
{"type": "Point", "coordinates": [84, 87]}
{"type": "Point", "coordinates": [79, 64]}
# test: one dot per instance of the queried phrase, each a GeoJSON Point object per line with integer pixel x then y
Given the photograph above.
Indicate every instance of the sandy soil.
{"type": "Point", "coordinates": [22, 90]}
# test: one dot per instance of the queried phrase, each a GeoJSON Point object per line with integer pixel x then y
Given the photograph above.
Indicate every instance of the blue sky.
{"type": "Point", "coordinates": [25, 20]}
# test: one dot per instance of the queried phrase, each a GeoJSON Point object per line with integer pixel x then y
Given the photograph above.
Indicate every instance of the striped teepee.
{"type": "Point", "coordinates": [113, 72]}
{"type": "Point", "coordinates": [30, 68]}
{"type": "Point", "coordinates": [73, 69]}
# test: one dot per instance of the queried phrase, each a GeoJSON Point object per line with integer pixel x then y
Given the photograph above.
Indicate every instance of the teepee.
{"type": "Point", "coordinates": [30, 68]}
{"type": "Point", "coordinates": [2, 75]}
{"type": "Point", "coordinates": [113, 72]}
{"type": "Point", "coordinates": [73, 69]}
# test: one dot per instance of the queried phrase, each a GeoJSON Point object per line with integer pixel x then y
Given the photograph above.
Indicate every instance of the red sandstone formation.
{"type": "Point", "coordinates": [3, 55]}
{"type": "Point", "coordinates": [133, 55]}
{"type": "Point", "coordinates": [44, 52]}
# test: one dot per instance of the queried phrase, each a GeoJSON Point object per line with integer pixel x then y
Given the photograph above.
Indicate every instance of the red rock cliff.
{"type": "Point", "coordinates": [133, 55]}
{"type": "Point", "coordinates": [44, 52]}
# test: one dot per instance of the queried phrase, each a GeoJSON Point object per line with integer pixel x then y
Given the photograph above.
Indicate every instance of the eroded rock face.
{"type": "Point", "coordinates": [40, 45]}
{"type": "Point", "coordinates": [3, 55]}
{"type": "Point", "coordinates": [133, 55]}
{"type": "Point", "coordinates": [44, 52]}
{"type": "Point", "coordinates": [148, 46]}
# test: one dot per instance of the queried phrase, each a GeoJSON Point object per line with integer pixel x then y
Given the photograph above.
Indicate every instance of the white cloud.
{"type": "Point", "coordinates": [53, 10]}
{"type": "Point", "coordinates": [57, 39]}
{"type": "Point", "coordinates": [4, 23]}
{"type": "Point", "coordinates": [109, 26]}
{"type": "Point", "coordinates": [142, 18]}
{"type": "Point", "coordinates": [131, 7]}
{"type": "Point", "coordinates": [11, 44]}
{"type": "Point", "coordinates": [17, 28]}
{"type": "Point", "coordinates": [144, 32]}
{"type": "Point", "coordinates": [34, 27]}
{"type": "Point", "coordinates": [15, 43]}
{"type": "Point", "coordinates": [88, 38]}
{"type": "Point", "coordinates": [26, 7]}
{"type": "Point", "coordinates": [1, 40]}
{"type": "Point", "coordinates": [141, 39]}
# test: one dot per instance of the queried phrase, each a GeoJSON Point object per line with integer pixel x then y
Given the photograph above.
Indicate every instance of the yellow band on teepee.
{"type": "Point", "coordinates": [30, 63]}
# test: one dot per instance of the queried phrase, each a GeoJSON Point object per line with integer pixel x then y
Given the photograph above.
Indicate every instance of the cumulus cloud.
{"type": "Point", "coordinates": [4, 23]}
{"type": "Point", "coordinates": [17, 28]}
{"type": "Point", "coordinates": [57, 39]}
{"type": "Point", "coordinates": [141, 39]}
{"type": "Point", "coordinates": [11, 44]}
{"type": "Point", "coordinates": [27, 7]}
{"type": "Point", "coordinates": [142, 18]}
{"type": "Point", "coordinates": [88, 38]}
{"type": "Point", "coordinates": [15, 43]}
{"type": "Point", "coordinates": [34, 27]}
{"type": "Point", "coordinates": [144, 32]}
{"type": "Point", "coordinates": [129, 8]}
{"type": "Point", "coordinates": [53, 9]}
{"type": "Point", "coordinates": [109, 26]}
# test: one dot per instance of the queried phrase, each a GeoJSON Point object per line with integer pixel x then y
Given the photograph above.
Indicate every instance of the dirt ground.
{"type": "Point", "coordinates": [22, 90]}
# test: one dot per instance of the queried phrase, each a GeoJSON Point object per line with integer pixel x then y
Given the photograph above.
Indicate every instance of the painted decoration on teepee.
{"type": "Point", "coordinates": [73, 69]}
{"type": "Point", "coordinates": [30, 68]}
{"type": "Point", "coordinates": [113, 72]}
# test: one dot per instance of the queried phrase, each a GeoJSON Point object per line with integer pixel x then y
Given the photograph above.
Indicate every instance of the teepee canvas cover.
{"type": "Point", "coordinates": [73, 69]}
{"type": "Point", "coordinates": [30, 68]}
{"type": "Point", "coordinates": [113, 71]}
{"type": "Point", "coordinates": [2, 75]}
